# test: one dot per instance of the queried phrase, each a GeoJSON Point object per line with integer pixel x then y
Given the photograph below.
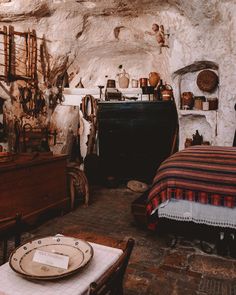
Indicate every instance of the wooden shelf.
{"type": "Point", "coordinates": [196, 112]}
{"type": "Point", "coordinates": [192, 118]}
{"type": "Point", "coordinates": [73, 96]}
{"type": "Point", "coordinates": [211, 116]}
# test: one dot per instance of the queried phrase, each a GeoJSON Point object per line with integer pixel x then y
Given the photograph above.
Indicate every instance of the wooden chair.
{"type": "Point", "coordinates": [10, 226]}
{"type": "Point", "coordinates": [112, 281]}
{"type": "Point", "coordinates": [77, 183]}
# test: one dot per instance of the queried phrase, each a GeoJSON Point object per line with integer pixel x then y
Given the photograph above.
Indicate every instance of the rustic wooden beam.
{"type": "Point", "coordinates": [34, 56]}
{"type": "Point", "coordinates": [6, 69]}
{"type": "Point", "coordinates": [11, 62]}
{"type": "Point", "coordinates": [21, 34]}
{"type": "Point", "coordinates": [29, 54]}
{"type": "Point", "coordinates": [196, 66]}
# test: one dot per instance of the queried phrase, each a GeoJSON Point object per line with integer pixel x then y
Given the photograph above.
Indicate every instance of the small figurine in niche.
{"type": "Point", "coordinates": [159, 33]}
{"type": "Point", "coordinates": [197, 138]}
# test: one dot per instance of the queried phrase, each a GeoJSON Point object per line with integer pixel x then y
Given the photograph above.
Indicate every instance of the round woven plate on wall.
{"type": "Point", "coordinates": [207, 80]}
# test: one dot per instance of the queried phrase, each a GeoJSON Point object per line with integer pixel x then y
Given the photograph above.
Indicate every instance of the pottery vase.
{"type": "Point", "coordinates": [154, 79]}
{"type": "Point", "coordinates": [123, 79]}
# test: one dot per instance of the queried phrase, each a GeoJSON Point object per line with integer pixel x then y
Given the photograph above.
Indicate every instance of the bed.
{"type": "Point", "coordinates": [197, 184]}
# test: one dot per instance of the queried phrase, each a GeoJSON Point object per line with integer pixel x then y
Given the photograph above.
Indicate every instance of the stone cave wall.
{"type": "Point", "coordinates": [98, 36]}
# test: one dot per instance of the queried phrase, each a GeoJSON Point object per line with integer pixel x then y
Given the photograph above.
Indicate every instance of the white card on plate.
{"type": "Point", "coordinates": [52, 259]}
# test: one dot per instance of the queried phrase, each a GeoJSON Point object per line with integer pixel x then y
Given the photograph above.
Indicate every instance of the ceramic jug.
{"type": "Point", "coordinates": [154, 79]}
{"type": "Point", "coordinates": [123, 79]}
{"type": "Point", "coordinates": [187, 100]}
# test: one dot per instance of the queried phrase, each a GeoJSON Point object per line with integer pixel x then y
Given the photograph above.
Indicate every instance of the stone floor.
{"type": "Point", "coordinates": [155, 268]}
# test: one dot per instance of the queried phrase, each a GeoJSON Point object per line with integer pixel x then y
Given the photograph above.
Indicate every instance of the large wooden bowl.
{"type": "Point", "coordinates": [207, 80]}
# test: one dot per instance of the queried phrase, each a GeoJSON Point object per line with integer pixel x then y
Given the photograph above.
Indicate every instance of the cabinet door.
{"type": "Point", "coordinates": [134, 138]}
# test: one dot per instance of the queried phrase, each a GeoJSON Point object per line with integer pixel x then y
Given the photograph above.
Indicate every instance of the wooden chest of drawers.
{"type": "Point", "coordinates": [32, 187]}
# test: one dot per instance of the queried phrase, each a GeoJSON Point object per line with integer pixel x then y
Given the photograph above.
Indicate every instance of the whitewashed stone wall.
{"type": "Point", "coordinates": [98, 36]}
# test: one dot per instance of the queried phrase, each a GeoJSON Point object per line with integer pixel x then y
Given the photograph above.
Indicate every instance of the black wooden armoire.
{"type": "Point", "coordinates": [135, 137]}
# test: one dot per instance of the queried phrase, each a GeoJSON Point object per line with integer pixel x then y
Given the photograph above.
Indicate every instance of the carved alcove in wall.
{"type": "Point", "coordinates": [190, 120]}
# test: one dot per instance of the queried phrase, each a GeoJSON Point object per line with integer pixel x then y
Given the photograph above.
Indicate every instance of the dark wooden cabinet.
{"type": "Point", "coordinates": [31, 187]}
{"type": "Point", "coordinates": [135, 137]}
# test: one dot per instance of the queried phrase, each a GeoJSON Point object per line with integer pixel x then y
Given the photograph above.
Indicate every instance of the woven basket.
{"type": "Point", "coordinates": [137, 186]}
{"type": "Point", "coordinates": [207, 80]}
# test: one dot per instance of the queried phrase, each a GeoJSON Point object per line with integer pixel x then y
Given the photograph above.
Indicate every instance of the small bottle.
{"type": "Point", "coordinates": [159, 89]}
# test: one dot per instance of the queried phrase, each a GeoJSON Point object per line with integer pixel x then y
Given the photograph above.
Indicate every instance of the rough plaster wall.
{"type": "Point", "coordinates": [211, 36]}
{"type": "Point", "coordinates": [100, 35]}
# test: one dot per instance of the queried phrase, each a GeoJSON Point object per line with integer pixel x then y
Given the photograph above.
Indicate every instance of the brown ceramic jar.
{"type": "Point", "coordinates": [143, 82]}
{"type": "Point", "coordinates": [187, 100]}
{"type": "Point", "coordinates": [154, 79]}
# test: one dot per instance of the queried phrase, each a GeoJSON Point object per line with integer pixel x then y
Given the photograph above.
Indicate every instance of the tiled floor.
{"type": "Point", "coordinates": [154, 269]}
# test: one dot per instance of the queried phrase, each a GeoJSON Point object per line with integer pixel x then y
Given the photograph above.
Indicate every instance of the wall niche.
{"type": "Point", "coordinates": [199, 112]}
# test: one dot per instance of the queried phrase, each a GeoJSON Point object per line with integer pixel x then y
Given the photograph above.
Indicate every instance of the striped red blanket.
{"type": "Point", "coordinates": [205, 174]}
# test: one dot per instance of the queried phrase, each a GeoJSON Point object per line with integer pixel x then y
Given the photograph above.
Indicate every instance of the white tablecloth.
{"type": "Point", "coordinates": [199, 213]}
{"type": "Point", "coordinates": [13, 284]}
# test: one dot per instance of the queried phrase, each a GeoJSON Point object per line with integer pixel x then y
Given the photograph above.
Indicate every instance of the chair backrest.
{"type": "Point", "coordinates": [112, 281]}
{"type": "Point", "coordinates": [9, 227]}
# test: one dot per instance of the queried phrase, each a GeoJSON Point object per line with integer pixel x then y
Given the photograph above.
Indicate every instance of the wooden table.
{"type": "Point", "coordinates": [31, 186]}
{"type": "Point", "coordinates": [104, 257]}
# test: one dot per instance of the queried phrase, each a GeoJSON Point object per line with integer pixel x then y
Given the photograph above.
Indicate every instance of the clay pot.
{"type": "Point", "coordinates": [213, 103]}
{"type": "Point", "coordinates": [143, 82]}
{"type": "Point", "coordinates": [187, 100]}
{"type": "Point", "coordinates": [111, 83]}
{"type": "Point", "coordinates": [154, 79]}
{"type": "Point", "coordinates": [123, 79]}
{"type": "Point", "coordinates": [167, 92]}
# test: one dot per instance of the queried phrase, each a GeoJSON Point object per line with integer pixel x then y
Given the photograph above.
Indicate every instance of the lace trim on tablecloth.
{"type": "Point", "coordinates": [181, 210]}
